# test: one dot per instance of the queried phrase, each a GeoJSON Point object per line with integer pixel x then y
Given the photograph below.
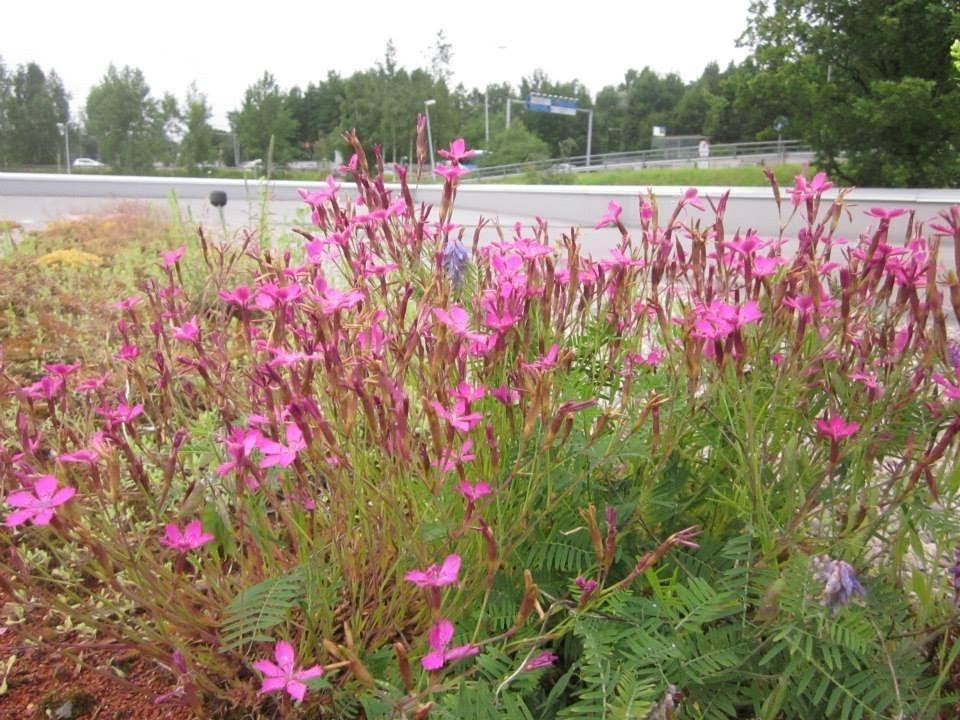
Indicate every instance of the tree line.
{"type": "Point", "coordinates": [870, 84]}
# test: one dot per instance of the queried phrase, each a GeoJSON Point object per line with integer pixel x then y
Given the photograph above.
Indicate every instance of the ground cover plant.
{"type": "Point", "coordinates": [399, 470]}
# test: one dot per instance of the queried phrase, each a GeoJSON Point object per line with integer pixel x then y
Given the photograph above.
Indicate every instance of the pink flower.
{"type": "Point", "coordinates": [332, 300]}
{"type": "Point", "coordinates": [867, 378]}
{"type": "Point", "coordinates": [884, 214]}
{"type": "Point", "coordinates": [804, 190]}
{"type": "Point", "coordinates": [451, 173]}
{"type": "Point", "coordinates": [464, 391]}
{"type": "Point", "coordinates": [836, 428]}
{"type": "Point", "coordinates": [93, 383]}
{"type": "Point", "coordinates": [612, 217]}
{"type": "Point", "coordinates": [952, 388]}
{"type": "Point", "coordinates": [544, 363]}
{"type": "Point", "coordinates": [37, 505]}
{"type": "Point", "coordinates": [718, 319]}
{"type": "Point", "coordinates": [458, 320]}
{"type": "Point", "coordinates": [46, 388]}
{"type": "Point", "coordinates": [351, 167]}
{"type": "Point", "coordinates": [690, 197]}
{"type": "Point", "coordinates": [544, 659]}
{"type": "Point", "coordinates": [84, 456]}
{"type": "Point", "coordinates": [318, 197]}
{"type": "Point", "coordinates": [473, 491]}
{"type": "Point", "coordinates": [128, 303]}
{"type": "Point", "coordinates": [506, 394]}
{"type": "Point", "coordinates": [128, 353]}
{"type": "Point", "coordinates": [189, 331]}
{"type": "Point", "coordinates": [123, 413]}
{"type": "Point", "coordinates": [457, 152]}
{"type": "Point", "coordinates": [458, 417]}
{"type": "Point", "coordinates": [241, 296]}
{"type": "Point", "coordinates": [449, 459]}
{"type": "Point", "coordinates": [172, 257]}
{"type": "Point", "coordinates": [586, 586]}
{"type": "Point", "coordinates": [765, 266]}
{"type": "Point", "coordinates": [807, 305]}
{"type": "Point", "coordinates": [501, 321]}
{"type": "Point", "coordinates": [748, 245]}
{"type": "Point", "coordinates": [440, 636]}
{"type": "Point", "coordinates": [436, 576]}
{"type": "Point", "coordinates": [646, 211]}
{"type": "Point", "coordinates": [61, 369]}
{"type": "Point", "coordinates": [283, 675]}
{"type": "Point", "coordinates": [275, 453]}
{"type": "Point", "coordinates": [190, 538]}
{"type": "Point", "coordinates": [286, 358]}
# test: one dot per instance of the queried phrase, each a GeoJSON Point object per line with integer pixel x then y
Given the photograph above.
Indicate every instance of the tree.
{"type": "Point", "coordinates": [317, 112]}
{"type": "Point", "coordinates": [876, 76]}
{"type": "Point", "coordinates": [126, 122]}
{"type": "Point", "coordinates": [34, 103]}
{"type": "Point", "coordinates": [515, 145]}
{"type": "Point", "coordinates": [265, 115]}
{"type": "Point", "coordinates": [198, 143]}
{"type": "Point", "coordinates": [6, 105]}
{"type": "Point", "coordinates": [442, 57]}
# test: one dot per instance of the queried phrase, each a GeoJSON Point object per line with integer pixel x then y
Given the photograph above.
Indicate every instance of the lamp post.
{"type": "Point", "coordinates": [65, 129]}
{"type": "Point", "coordinates": [426, 107]}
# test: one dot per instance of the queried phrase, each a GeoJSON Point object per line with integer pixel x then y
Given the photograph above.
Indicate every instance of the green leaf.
{"type": "Point", "coordinates": [260, 608]}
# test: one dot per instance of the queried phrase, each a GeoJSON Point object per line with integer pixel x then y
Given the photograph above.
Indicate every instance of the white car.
{"type": "Point", "coordinates": [87, 162]}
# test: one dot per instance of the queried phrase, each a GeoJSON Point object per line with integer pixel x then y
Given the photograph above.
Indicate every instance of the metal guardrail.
{"type": "Point", "coordinates": [642, 158]}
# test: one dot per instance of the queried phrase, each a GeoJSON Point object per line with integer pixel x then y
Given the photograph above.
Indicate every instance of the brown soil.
{"type": "Point", "coordinates": [79, 679]}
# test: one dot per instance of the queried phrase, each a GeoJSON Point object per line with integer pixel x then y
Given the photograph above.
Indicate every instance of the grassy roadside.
{"type": "Point", "coordinates": [725, 176]}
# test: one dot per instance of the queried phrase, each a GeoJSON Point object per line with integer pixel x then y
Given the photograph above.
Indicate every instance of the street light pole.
{"type": "Point", "coordinates": [486, 116]}
{"type": "Point", "coordinates": [426, 107]}
{"type": "Point", "coordinates": [589, 133]}
{"type": "Point", "coordinates": [65, 129]}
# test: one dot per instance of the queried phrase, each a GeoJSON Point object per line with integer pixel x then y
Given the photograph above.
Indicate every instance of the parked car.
{"type": "Point", "coordinates": [251, 164]}
{"type": "Point", "coordinates": [304, 165]}
{"type": "Point", "coordinates": [87, 162]}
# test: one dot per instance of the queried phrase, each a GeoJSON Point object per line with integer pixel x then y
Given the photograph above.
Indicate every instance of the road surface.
{"type": "Point", "coordinates": [34, 200]}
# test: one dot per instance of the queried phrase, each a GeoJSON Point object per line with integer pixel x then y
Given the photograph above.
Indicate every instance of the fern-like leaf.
{"type": "Point", "coordinates": [259, 608]}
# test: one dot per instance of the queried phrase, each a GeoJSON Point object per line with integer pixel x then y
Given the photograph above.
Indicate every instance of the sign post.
{"type": "Point", "coordinates": [557, 105]}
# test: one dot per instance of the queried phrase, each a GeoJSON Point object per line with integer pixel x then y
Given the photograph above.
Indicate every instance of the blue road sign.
{"type": "Point", "coordinates": [551, 104]}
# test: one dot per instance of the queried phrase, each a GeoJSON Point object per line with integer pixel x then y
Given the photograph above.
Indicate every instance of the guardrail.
{"type": "Point", "coordinates": [642, 158]}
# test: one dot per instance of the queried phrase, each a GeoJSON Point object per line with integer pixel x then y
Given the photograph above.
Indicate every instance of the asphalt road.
{"type": "Point", "coordinates": [34, 200]}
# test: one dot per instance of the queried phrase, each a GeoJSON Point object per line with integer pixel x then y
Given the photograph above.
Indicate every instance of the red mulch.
{"type": "Point", "coordinates": [98, 681]}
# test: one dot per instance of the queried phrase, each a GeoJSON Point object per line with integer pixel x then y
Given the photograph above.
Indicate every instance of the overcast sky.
{"type": "Point", "coordinates": [225, 46]}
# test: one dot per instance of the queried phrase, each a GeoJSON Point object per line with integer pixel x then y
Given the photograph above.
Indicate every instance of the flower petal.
{"type": "Point", "coordinates": [296, 689]}
{"type": "Point", "coordinates": [441, 634]}
{"type": "Point", "coordinates": [45, 486]}
{"type": "Point", "coordinates": [432, 660]}
{"type": "Point", "coordinates": [310, 673]}
{"type": "Point", "coordinates": [62, 495]}
{"type": "Point", "coordinates": [271, 684]}
{"type": "Point", "coordinates": [460, 652]}
{"type": "Point", "coordinates": [285, 656]}
{"type": "Point", "coordinates": [449, 570]}
{"type": "Point", "coordinates": [267, 668]}
{"type": "Point", "coordinates": [19, 517]}
{"type": "Point", "coordinates": [21, 499]}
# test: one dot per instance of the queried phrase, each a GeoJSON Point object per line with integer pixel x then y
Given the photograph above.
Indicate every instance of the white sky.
{"type": "Point", "coordinates": [225, 46]}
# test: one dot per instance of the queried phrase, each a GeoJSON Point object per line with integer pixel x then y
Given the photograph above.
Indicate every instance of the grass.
{"type": "Point", "coordinates": [725, 176]}
{"type": "Point", "coordinates": [61, 281]}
